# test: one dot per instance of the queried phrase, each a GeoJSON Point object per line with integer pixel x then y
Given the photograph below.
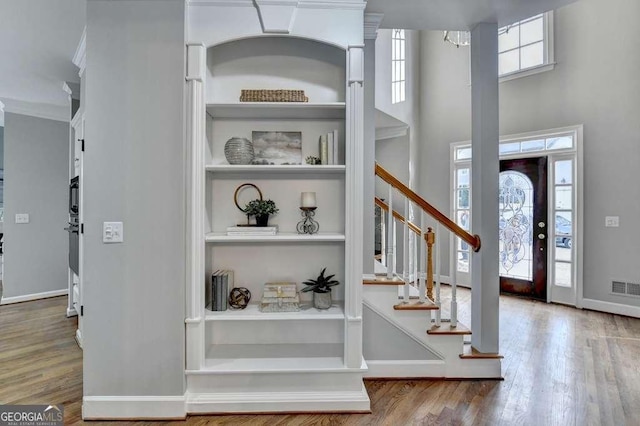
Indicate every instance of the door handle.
{"type": "Point", "coordinates": [541, 236]}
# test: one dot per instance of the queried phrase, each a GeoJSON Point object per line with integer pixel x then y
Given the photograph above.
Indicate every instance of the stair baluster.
{"type": "Point", "coordinates": [454, 284]}
{"type": "Point", "coordinates": [438, 301]}
{"type": "Point", "coordinates": [391, 265]}
{"type": "Point", "coordinates": [406, 274]}
{"type": "Point", "coordinates": [383, 239]}
{"type": "Point", "coordinates": [422, 286]}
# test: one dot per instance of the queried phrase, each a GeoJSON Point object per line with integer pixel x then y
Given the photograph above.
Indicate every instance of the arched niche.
{"type": "Point", "coordinates": [275, 62]}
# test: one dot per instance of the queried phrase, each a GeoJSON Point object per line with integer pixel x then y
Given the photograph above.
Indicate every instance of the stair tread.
{"type": "Point", "coordinates": [470, 352]}
{"type": "Point", "coordinates": [446, 329]}
{"type": "Point", "coordinates": [382, 280]}
{"type": "Point", "coordinates": [416, 306]}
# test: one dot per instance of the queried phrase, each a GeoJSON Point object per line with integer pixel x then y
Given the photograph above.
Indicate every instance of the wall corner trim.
{"type": "Point", "coordinates": [130, 407]}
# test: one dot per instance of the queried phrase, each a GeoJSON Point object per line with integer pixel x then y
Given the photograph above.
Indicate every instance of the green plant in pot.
{"type": "Point", "coordinates": [261, 209]}
{"type": "Point", "coordinates": [321, 288]}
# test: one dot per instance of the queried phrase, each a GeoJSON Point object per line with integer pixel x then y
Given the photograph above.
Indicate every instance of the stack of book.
{"type": "Point", "coordinates": [329, 148]}
{"type": "Point", "coordinates": [217, 292]}
{"type": "Point", "coordinates": [252, 230]}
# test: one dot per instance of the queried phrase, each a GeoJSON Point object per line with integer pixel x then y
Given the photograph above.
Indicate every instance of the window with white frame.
{"type": "Point", "coordinates": [526, 45]}
{"type": "Point", "coordinates": [398, 61]}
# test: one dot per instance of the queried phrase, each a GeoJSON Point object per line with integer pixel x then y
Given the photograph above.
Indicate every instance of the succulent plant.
{"type": "Point", "coordinates": [260, 207]}
{"type": "Point", "coordinates": [321, 284]}
{"type": "Point", "coordinates": [312, 160]}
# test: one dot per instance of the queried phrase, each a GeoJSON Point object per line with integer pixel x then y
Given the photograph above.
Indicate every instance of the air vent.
{"type": "Point", "coordinates": [618, 287]}
{"type": "Point", "coordinates": [627, 289]}
{"type": "Point", "coordinates": [633, 289]}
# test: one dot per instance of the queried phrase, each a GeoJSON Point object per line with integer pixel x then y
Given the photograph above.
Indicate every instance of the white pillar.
{"type": "Point", "coordinates": [371, 23]}
{"type": "Point", "coordinates": [484, 175]}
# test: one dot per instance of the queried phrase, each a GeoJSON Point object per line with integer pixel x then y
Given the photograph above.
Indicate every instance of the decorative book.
{"type": "Point", "coordinates": [252, 230]}
{"type": "Point", "coordinates": [217, 291]}
{"type": "Point", "coordinates": [280, 297]}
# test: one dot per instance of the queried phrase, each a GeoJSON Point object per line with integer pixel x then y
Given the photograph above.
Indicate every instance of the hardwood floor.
{"type": "Point", "coordinates": [561, 366]}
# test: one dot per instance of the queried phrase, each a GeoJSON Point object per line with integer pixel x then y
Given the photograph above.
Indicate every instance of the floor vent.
{"type": "Point", "coordinates": [627, 289]}
{"type": "Point", "coordinates": [618, 287]}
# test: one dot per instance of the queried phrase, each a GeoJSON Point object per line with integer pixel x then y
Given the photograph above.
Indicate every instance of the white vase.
{"type": "Point", "coordinates": [322, 300]}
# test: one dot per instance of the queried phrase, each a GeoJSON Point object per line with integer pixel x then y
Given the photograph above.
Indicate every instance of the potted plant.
{"type": "Point", "coordinates": [261, 209]}
{"type": "Point", "coordinates": [321, 288]}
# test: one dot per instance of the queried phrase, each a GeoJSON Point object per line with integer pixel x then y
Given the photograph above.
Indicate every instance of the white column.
{"type": "Point", "coordinates": [484, 175]}
{"type": "Point", "coordinates": [196, 58]}
{"type": "Point", "coordinates": [354, 206]}
{"type": "Point", "coordinates": [371, 23]}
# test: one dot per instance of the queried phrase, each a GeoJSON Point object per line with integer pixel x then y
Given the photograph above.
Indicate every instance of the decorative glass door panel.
{"type": "Point", "coordinates": [516, 227]}
{"type": "Point", "coordinates": [523, 227]}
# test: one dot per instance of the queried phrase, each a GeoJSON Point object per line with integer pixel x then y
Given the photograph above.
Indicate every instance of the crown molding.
{"type": "Point", "coordinates": [391, 132]}
{"type": "Point", "coordinates": [372, 22]}
{"type": "Point", "coordinates": [80, 57]}
{"type": "Point", "coordinates": [71, 89]}
{"type": "Point", "coordinates": [301, 4]}
{"type": "Point", "coordinates": [34, 109]}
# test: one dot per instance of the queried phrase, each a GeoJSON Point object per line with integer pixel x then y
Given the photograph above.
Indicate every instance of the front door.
{"type": "Point", "coordinates": [523, 227]}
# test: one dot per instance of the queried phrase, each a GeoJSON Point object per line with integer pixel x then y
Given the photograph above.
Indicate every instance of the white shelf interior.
{"type": "Point", "coordinates": [262, 169]}
{"type": "Point", "coordinates": [282, 237]}
{"type": "Point", "coordinates": [252, 313]}
{"type": "Point", "coordinates": [274, 357]}
{"type": "Point", "coordinates": [281, 110]}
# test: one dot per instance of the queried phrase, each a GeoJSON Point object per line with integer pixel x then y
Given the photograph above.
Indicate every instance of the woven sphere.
{"type": "Point", "coordinates": [239, 151]}
{"type": "Point", "coordinates": [239, 298]}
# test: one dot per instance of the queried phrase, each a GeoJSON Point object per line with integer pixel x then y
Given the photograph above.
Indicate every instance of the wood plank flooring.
{"type": "Point", "coordinates": [562, 366]}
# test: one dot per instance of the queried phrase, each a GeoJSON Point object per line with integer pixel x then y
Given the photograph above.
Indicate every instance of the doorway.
{"type": "Point", "coordinates": [523, 227]}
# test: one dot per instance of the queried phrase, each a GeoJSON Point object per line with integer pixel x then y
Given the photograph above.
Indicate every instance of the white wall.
{"type": "Point", "coordinates": [134, 170]}
{"type": "Point", "coordinates": [36, 182]}
{"type": "Point", "coordinates": [595, 83]}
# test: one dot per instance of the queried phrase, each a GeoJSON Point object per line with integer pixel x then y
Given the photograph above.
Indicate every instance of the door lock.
{"type": "Point", "coordinates": [541, 236]}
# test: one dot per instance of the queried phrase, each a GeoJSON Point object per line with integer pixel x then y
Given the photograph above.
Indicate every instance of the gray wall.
{"type": "Point", "coordinates": [595, 83]}
{"type": "Point", "coordinates": [36, 182]}
{"type": "Point", "coordinates": [134, 172]}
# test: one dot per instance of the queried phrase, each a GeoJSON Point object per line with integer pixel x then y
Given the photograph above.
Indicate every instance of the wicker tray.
{"type": "Point", "coordinates": [280, 95]}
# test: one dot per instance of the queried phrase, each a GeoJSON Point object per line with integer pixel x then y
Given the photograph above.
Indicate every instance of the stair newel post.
{"type": "Point", "coordinates": [430, 240]}
{"type": "Point", "coordinates": [391, 264]}
{"type": "Point", "coordinates": [437, 301]}
{"type": "Point", "coordinates": [454, 284]}
{"type": "Point", "coordinates": [405, 253]}
{"type": "Point", "coordinates": [422, 258]}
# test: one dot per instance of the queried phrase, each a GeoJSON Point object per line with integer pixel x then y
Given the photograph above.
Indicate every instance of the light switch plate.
{"type": "Point", "coordinates": [612, 221]}
{"type": "Point", "coordinates": [22, 217]}
{"type": "Point", "coordinates": [112, 232]}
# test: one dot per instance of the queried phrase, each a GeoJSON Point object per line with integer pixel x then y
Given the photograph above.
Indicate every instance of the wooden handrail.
{"type": "Point", "coordinates": [384, 206]}
{"type": "Point", "coordinates": [472, 240]}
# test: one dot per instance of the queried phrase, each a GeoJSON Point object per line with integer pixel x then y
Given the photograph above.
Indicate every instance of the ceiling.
{"type": "Point", "coordinates": [37, 41]}
{"type": "Point", "coordinates": [456, 14]}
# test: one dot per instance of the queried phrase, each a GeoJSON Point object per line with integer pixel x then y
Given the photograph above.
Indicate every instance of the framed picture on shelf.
{"type": "Point", "coordinates": [277, 148]}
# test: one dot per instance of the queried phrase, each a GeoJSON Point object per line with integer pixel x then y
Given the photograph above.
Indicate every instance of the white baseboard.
{"type": "Point", "coordinates": [133, 407]}
{"type": "Point", "coordinates": [79, 338]}
{"type": "Point", "coordinates": [34, 296]}
{"type": "Point", "coordinates": [71, 312]}
{"type": "Point", "coordinates": [265, 402]}
{"type": "Point", "coordinates": [406, 368]}
{"type": "Point", "coordinates": [612, 308]}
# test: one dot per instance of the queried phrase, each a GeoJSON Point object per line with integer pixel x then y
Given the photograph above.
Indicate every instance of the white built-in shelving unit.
{"type": "Point", "coordinates": [247, 360]}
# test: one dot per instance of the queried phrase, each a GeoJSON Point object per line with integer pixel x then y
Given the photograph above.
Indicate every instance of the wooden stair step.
{"type": "Point", "coordinates": [470, 352]}
{"type": "Point", "coordinates": [446, 329]}
{"type": "Point", "coordinates": [416, 306]}
{"type": "Point", "coordinates": [382, 280]}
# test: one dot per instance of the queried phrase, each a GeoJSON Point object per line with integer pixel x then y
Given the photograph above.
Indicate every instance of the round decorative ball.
{"type": "Point", "coordinates": [239, 151]}
{"type": "Point", "coordinates": [239, 297]}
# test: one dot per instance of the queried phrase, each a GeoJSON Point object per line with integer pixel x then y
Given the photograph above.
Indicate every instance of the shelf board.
{"type": "Point", "coordinates": [303, 168]}
{"type": "Point", "coordinates": [281, 237]}
{"type": "Point", "coordinates": [252, 313]}
{"type": "Point", "coordinates": [281, 110]}
{"type": "Point", "coordinates": [275, 357]}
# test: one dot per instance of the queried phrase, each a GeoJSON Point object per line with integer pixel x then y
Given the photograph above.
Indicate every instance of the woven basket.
{"type": "Point", "coordinates": [280, 95]}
